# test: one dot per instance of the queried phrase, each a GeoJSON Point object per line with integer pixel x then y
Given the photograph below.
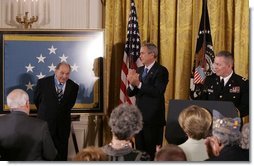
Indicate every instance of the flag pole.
{"type": "Point", "coordinates": [204, 54]}
{"type": "Point", "coordinates": [204, 34]}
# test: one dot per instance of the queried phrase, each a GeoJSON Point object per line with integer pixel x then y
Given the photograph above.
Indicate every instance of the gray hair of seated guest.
{"type": "Point", "coordinates": [228, 139]}
{"type": "Point", "coordinates": [226, 129]}
{"type": "Point", "coordinates": [125, 121]}
{"type": "Point", "coordinates": [245, 137]}
{"type": "Point", "coordinates": [17, 98]}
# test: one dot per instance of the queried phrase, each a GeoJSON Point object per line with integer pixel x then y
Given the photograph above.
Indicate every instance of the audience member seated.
{"type": "Point", "coordinates": [24, 138]}
{"type": "Point", "coordinates": [245, 139]}
{"type": "Point", "coordinates": [91, 153]}
{"type": "Point", "coordinates": [170, 152]}
{"type": "Point", "coordinates": [196, 123]}
{"type": "Point", "coordinates": [125, 121]}
{"type": "Point", "coordinates": [223, 145]}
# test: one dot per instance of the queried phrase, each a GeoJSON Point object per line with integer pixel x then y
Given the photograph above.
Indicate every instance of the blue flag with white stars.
{"type": "Point", "coordinates": [28, 58]}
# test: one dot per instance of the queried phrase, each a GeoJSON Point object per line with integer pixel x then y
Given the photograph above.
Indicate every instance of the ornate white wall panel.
{"type": "Point", "coordinates": [74, 14]}
{"type": "Point", "coordinates": [95, 16]}
{"type": "Point", "coordinates": [56, 14]}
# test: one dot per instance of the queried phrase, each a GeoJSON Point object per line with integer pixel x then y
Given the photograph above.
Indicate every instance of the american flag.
{"type": "Point", "coordinates": [131, 54]}
{"type": "Point", "coordinates": [28, 58]}
{"type": "Point", "coordinates": [199, 75]}
{"type": "Point", "coordinates": [204, 57]}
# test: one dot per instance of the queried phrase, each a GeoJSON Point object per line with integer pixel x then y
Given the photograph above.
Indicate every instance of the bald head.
{"type": "Point", "coordinates": [18, 99]}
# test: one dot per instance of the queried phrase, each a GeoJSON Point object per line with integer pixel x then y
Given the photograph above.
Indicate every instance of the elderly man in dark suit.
{"type": "Point", "coordinates": [24, 138]}
{"type": "Point", "coordinates": [148, 84]}
{"type": "Point", "coordinates": [54, 98]}
{"type": "Point", "coordinates": [226, 85]}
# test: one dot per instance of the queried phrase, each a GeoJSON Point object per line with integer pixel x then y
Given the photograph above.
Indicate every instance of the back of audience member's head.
{"type": "Point", "coordinates": [91, 154]}
{"type": "Point", "coordinates": [245, 136]}
{"type": "Point", "coordinates": [195, 121]}
{"type": "Point", "coordinates": [125, 121]}
{"type": "Point", "coordinates": [170, 152]}
{"type": "Point", "coordinates": [18, 99]}
{"type": "Point", "coordinates": [226, 129]}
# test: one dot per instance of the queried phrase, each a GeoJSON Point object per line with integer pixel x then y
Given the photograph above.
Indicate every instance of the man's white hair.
{"type": "Point", "coordinates": [17, 98]}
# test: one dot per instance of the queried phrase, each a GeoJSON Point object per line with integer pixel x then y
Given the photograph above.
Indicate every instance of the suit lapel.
{"type": "Point", "coordinates": [67, 89]}
{"type": "Point", "coordinates": [52, 86]}
{"type": "Point", "coordinates": [217, 86]}
{"type": "Point", "coordinates": [230, 82]}
{"type": "Point", "coordinates": [153, 70]}
{"type": "Point", "coordinates": [150, 73]}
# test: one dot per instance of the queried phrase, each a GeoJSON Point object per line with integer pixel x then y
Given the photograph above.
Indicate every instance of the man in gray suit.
{"type": "Point", "coordinates": [24, 138]}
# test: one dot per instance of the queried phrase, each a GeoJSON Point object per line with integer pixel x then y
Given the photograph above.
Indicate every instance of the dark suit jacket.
{"type": "Point", "coordinates": [231, 153]}
{"type": "Point", "coordinates": [150, 97]}
{"type": "Point", "coordinates": [236, 90]}
{"type": "Point", "coordinates": [56, 113]}
{"type": "Point", "coordinates": [23, 138]}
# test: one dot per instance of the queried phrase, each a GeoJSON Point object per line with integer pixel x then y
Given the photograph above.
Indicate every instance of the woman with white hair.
{"type": "Point", "coordinates": [125, 121]}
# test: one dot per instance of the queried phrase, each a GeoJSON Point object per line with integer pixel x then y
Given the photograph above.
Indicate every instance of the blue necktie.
{"type": "Point", "coordinates": [59, 91]}
{"type": "Point", "coordinates": [144, 74]}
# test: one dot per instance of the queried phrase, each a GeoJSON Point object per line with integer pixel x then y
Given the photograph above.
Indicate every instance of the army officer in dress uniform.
{"type": "Point", "coordinates": [226, 85]}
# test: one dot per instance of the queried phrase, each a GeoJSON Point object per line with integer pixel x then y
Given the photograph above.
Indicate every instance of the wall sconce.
{"type": "Point", "coordinates": [28, 13]}
{"type": "Point", "coordinates": [26, 21]}
{"type": "Point", "coordinates": [25, 6]}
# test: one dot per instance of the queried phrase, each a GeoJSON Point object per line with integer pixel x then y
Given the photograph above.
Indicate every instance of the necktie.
{"type": "Point", "coordinates": [144, 74]}
{"type": "Point", "coordinates": [59, 92]}
{"type": "Point", "coordinates": [222, 83]}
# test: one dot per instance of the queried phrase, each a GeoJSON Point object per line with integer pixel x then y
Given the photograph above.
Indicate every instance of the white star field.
{"type": "Point", "coordinates": [41, 59]}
